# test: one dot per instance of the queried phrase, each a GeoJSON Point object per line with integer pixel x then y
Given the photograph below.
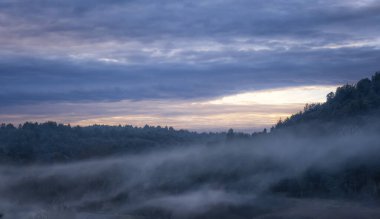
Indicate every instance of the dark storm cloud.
{"type": "Point", "coordinates": [25, 80]}
{"type": "Point", "coordinates": [150, 19]}
{"type": "Point", "coordinates": [112, 50]}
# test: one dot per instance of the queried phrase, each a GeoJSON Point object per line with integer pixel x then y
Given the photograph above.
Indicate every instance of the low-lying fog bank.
{"type": "Point", "coordinates": [280, 176]}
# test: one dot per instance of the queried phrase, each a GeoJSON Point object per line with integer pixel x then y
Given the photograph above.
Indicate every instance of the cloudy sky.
{"type": "Point", "coordinates": [200, 65]}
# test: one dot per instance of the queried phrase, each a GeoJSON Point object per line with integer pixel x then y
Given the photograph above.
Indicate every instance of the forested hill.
{"type": "Point", "coordinates": [349, 101]}
{"type": "Point", "coordinates": [52, 142]}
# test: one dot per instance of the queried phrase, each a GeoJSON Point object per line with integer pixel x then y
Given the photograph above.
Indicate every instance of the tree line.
{"type": "Point", "coordinates": [50, 141]}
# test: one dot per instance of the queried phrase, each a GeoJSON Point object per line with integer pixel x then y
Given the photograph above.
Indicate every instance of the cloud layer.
{"type": "Point", "coordinates": [247, 112]}
{"type": "Point", "coordinates": [96, 51]}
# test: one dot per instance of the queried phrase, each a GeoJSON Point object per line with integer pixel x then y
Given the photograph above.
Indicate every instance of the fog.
{"type": "Point", "coordinates": [231, 180]}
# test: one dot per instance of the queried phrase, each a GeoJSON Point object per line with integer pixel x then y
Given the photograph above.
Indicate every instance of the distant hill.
{"type": "Point", "coordinates": [349, 101]}
{"type": "Point", "coordinates": [52, 142]}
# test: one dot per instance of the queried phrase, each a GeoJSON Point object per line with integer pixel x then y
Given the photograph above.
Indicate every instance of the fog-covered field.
{"type": "Point", "coordinates": [236, 179]}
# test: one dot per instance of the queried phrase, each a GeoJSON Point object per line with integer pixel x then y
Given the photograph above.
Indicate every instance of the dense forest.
{"type": "Point", "coordinates": [52, 142]}
{"type": "Point", "coordinates": [352, 110]}
{"type": "Point", "coordinates": [360, 99]}
{"type": "Point", "coordinates": [323, 162]}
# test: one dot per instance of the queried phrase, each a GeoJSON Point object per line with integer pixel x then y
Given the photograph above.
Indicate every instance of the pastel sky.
{"type": "Point", "coordinates": [201, 65]}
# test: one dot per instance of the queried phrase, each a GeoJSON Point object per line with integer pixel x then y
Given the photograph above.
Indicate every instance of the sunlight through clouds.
{"type": "Point", "coordinates": [249, 111]}
{"type": "Point", "coordinates": [290, 95]}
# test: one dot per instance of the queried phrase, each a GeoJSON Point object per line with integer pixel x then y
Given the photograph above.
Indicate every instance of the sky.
{"type": "Point", "coordinates": [200, 65]}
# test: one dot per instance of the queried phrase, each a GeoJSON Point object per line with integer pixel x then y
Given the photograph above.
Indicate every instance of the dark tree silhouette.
{"type": "Point", "coordinates": [348, 101]}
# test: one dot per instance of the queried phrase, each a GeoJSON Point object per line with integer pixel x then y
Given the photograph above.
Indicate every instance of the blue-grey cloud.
{"type": "Point", "coordinates": [212, 18]}
{"type": "Point", "coordinates": [83, 51]}
{"type": "Point", "coordinates": [34, 80]}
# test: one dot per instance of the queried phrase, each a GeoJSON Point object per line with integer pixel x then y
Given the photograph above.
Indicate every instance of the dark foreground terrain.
{"type": "Point", "coordinates": [287, 177]}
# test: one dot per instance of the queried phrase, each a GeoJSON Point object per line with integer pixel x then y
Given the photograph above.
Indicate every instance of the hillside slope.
{"type": "Point", "coordinates": [347, 103]}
